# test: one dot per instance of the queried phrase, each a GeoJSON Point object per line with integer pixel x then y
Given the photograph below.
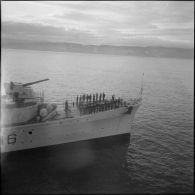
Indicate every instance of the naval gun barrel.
{"type": "Point", "coordinates": [32, 83]}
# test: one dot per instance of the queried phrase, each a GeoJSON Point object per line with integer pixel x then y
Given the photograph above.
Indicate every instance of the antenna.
{"type": "Point", "coordinates": [142, 85]}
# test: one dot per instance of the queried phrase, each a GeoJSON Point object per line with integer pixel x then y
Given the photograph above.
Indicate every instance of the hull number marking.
{"type": "Point", "coordinates": [11, 139]}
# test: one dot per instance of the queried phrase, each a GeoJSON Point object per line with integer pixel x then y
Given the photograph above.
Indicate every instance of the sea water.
{"type": "Point", "coordinates": [160, 156]}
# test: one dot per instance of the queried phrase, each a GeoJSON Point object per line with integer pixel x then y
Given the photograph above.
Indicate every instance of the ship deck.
{"type": "Point", "coordinates": [75, 110]}
{"type": "Point", "coordinates": [78, 110]}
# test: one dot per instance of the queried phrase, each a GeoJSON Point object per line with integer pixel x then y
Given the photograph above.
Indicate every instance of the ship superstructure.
{"type": "Point", "coordinates": [20, 103]}
{"type": "Point", "coordinates": [41, 124]}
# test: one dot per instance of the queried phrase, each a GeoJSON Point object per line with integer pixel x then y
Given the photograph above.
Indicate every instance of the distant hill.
{"type": "Point", "coordinates": [151, 51]}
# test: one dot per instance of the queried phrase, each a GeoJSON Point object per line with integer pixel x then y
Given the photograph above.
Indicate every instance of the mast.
{"type": "Point", "coordinates": [142, 86]}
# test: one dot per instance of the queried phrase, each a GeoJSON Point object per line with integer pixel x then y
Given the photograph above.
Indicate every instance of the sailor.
{"type": "Point", "coordinates": [77, 99]}
{"type": "Point", "coordinates": [100, 107]}
{"type": "Point", "coordinates": [66, 108]}
{"type": "Point", "coordinates": [96, 97]}
{"type": "Point", "coordinates": [80, 98]}
{"type": "Point", "coordinates": [107, 105]}
{"type": "Point", "coordinates": [81, 107]}
{"type": "Point", "coordinates": [100, 97]}
{"type": "Point", "coordinates": [91, 108]}
{"type": "Point", "coordinates": [97, 107]}
{"type": "Point", "coordinates": [90, 97]}
{"type": "Point", "coordinates": [83, 97]}
{"type": "Point", "coordinates": [104, 106]}
{"type": "Point", "coordinates": [111, 104]}
{"type": "Point", "coordinates": [118, 102]}
{"type": "Point", "coordinates": [103, 96]}
{"type": "Point", "coordinates": [94, 107]}
{"type": "Point", "coordinates": [121, 102]}
{"type": "Point", "coordinates": [66, 105]}
{"type": "Point", "coordinates": [115, 103]}
{"type": "Point", "coordinates": [84, 109]}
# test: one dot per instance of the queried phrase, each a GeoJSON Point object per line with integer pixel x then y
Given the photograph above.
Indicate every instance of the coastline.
{"type": "Point", "coordinates": [156, 52]}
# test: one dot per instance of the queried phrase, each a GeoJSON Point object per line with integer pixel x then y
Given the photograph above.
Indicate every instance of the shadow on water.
{"type": "Point", "coordinates": [82, 167]}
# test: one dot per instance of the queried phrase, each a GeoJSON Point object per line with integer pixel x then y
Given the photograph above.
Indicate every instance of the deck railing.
{"type": "Point", "coordinates": [90, 107]}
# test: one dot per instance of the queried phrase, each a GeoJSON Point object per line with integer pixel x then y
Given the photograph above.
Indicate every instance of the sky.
{"type": "Point", "coordinates": [129, 23]}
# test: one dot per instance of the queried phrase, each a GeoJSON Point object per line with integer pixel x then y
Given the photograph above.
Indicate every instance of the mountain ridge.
{"type": "Point", "coordinates": [145, 51]}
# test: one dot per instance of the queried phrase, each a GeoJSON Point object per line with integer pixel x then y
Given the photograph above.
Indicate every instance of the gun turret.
{"type": "Point", "coordinates": [21, 91]}
{"type": "Point", "coordinates": [32, 83]}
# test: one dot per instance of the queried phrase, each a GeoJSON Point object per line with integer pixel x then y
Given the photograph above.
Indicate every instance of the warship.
{"type": "Point", "coordinates": [27, 122]}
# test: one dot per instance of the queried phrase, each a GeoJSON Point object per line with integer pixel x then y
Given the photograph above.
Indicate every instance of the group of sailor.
{"type": "Point", "coordinates": [90, 98]}
{"type": "Point", "coordinates": [93, 103]}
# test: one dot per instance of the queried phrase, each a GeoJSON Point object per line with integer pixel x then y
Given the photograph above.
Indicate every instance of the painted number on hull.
{"type": "Point", "coordinates": [11, 139]}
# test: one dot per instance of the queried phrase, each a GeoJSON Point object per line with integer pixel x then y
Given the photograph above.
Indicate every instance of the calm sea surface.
{"type": "Point", "coordinates": [160, 156]}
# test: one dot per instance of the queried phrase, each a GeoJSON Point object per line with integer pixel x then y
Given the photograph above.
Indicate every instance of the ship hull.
{"type": "Point", "coordinates": [72, 156]}
{"type": "Point", "coordinates": [32, 169]}
{"type": "Point", "coordinates": [86, 127]}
